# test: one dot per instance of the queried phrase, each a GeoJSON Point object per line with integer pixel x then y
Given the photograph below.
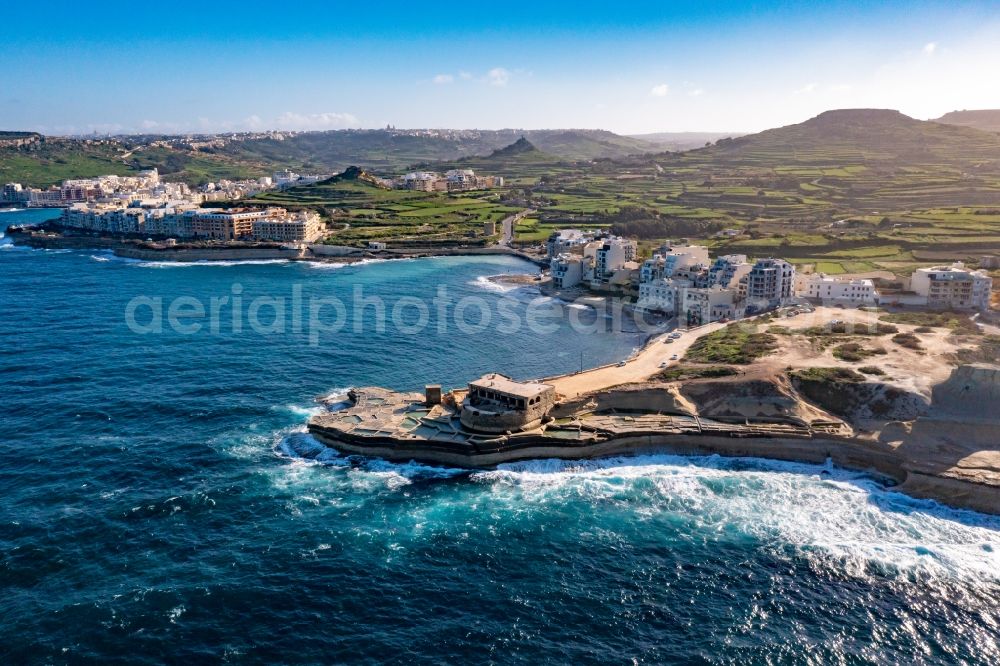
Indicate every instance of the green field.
{"type": "Point", "coordinates": [358, 211]}
{"type": "Point", "coordinates": [845, 192]}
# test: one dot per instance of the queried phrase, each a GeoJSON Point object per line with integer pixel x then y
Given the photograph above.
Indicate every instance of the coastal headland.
{"type": "Point", "coordinates": [49, 237]}
{"type": "Point", "coordinates": [800, 402]}
{"type": "Point", "coordinates": [925, 422]}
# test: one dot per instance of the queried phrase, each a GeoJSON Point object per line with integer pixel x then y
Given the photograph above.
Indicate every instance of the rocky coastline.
{"type": "Point", "coordinates": [52, 237]}
{"type": "Point", "coordinates": [930, 430]}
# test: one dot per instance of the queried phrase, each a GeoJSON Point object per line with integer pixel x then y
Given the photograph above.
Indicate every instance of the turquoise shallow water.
{"type": "Point", "coordinates": [161, 501]}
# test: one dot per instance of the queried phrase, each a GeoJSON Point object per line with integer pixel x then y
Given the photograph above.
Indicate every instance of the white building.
{"type": "Point", "coordinates": [567, 241]}
{"type": "Point", "coordinates": [849, 291]}
{"type": "Point", "coordinates": [667, 260]}
{"type": "Point", "coordinates": [662, 295]}
{"type": "Point", "coordinates": [285, 178]}
{"type": "Point", "coordinates": [610, 255]}
{"type": "Point", "coordinates": [953, 287]}
{"type": "Point", "coordinates": [567, 270]}
{"type": "Point", "coordinates": [728, 270]}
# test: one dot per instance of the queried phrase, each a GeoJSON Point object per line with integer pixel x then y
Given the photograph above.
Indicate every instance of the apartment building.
{"type": "Point", "coordinates": [610, 255]}
{"type": "Point", "coordinates": [667, 260]}
{"type": "Point", "coordinates": [769, 282]}
{"type": "Point", "coordinates": [849, 291]}
{"type": "Point", "coordinates": [301, 227]}
{"type": "Point", "coordinates": [270, 224]}
{"type": "Point", "coordinates": [728, 270]}
{"type": "Point", "coordinates": [662, 295]}
{"type": "Point", "coordinates": [567, 241]}
{"type": "Point", "coordinates": [567, 270]}
{"type": "Point", "coordinates": [953, 287]}
{"type": "Point", "coordinates": [705, 305]}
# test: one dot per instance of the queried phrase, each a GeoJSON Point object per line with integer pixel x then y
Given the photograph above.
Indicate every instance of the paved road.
{"type": "Point", "coordinates": [508, 225]}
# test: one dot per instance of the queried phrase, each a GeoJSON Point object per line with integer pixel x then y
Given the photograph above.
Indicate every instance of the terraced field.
{"type": "Point", "coordinates": [359, 212]}
{"type": "Point", "coordinates": [847, 192]}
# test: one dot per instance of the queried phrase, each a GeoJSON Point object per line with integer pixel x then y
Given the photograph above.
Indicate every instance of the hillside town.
{"type": "Point", "coordinates": [147, 189]}
{"type": "Point", "coordinates": [682, 280]}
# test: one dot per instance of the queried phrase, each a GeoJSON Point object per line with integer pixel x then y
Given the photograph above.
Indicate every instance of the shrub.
{"type": "Point", "coordinates": [679, 372]}
{"type": "Point", "coordinates": [956, 321]}
{"type": "Point", "coordinates": [871, 370]}
{"type": "Point", "coordinates": [735, 344]}
{"type": "Point", "coordinates": [853, 351]}
{"type": "Point", "coordinates": [908, 340]}
{"type": "Point", "coordinates": [835, 375]}
{"type": "Point", "coordinates": [845, 328]}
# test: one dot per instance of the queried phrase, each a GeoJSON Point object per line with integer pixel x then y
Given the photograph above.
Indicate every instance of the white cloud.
{"type": "Point", "coordinates": [930, 48]}
{"type": "Point", "coordinates": [660, 90]}
{"type": "Point", "coordinates": [465, 76]}
{"type": "Point", "coordinates": [697, 92]}
{"type": "Point", "coordinates": [809, 88]}
{"type": "Point", "coordinates": [290, 120]}
{"type": "Point", "coordinates": [498, 76]}
{"type": "Point", "coordinates": [441, 79]}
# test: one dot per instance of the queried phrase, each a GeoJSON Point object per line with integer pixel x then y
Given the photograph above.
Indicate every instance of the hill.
{"type": "Point", "coordinates": [855, 191]}
{"type": "Point", "coordinates": [521, 150]}
{"type": "Point", "coordinates": [391, 149]}
{"type": "Point", "coordinates": [859, 136]}
{"type": "Point", "coordinates": [585, 144]}
{"type": "Point", "coordinates": [200, 159]}
{"type": "Point", "coordinates": [520, 162]}
{"type": "Point", "coordinates": [354, 174]}
{"type": "Point", "coordinates": [987, 120]}
{"type": "Point", "coordinates": [677, 141]}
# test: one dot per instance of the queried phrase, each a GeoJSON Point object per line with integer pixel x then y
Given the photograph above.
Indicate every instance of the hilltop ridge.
{"type": "Point", "coordinates": [354, 174]}
{"type": "Point", "coordinates": [987, 120]}
{"type": "Point", "coordinates": [863, 136]}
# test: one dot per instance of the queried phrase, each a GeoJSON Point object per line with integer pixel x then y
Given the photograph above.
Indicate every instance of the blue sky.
{"type": "Point", "coordinates": [629, 67]}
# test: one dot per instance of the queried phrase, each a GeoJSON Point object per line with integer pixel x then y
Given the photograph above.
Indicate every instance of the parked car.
{"type": "Point", "coordinates": [674, 357]}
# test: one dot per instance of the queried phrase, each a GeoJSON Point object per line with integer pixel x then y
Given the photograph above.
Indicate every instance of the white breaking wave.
{"type": "Point", "coordinates": [837, 519]}
{"type": "Point", "coordinates": [334, 265]}
{"type": "Point", "coordinates": [185, 264]}
{"type": "Point", "coordinates": [484, 282]}
{"type": "Point", "coordinates": [840, 522]}
{"type": "Point", "coordinates": [299, 410]}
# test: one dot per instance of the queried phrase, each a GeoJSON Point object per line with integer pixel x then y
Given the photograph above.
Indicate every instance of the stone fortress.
{"type": "Point", "coordinates": [495, 403]}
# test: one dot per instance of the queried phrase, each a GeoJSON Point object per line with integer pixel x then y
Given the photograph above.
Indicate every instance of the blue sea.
{"type": "Point", "coordinates": [161, 500]}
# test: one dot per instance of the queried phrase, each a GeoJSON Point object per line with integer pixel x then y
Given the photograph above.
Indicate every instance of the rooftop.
{"type": "Point", "coordinates": [498, 382]}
